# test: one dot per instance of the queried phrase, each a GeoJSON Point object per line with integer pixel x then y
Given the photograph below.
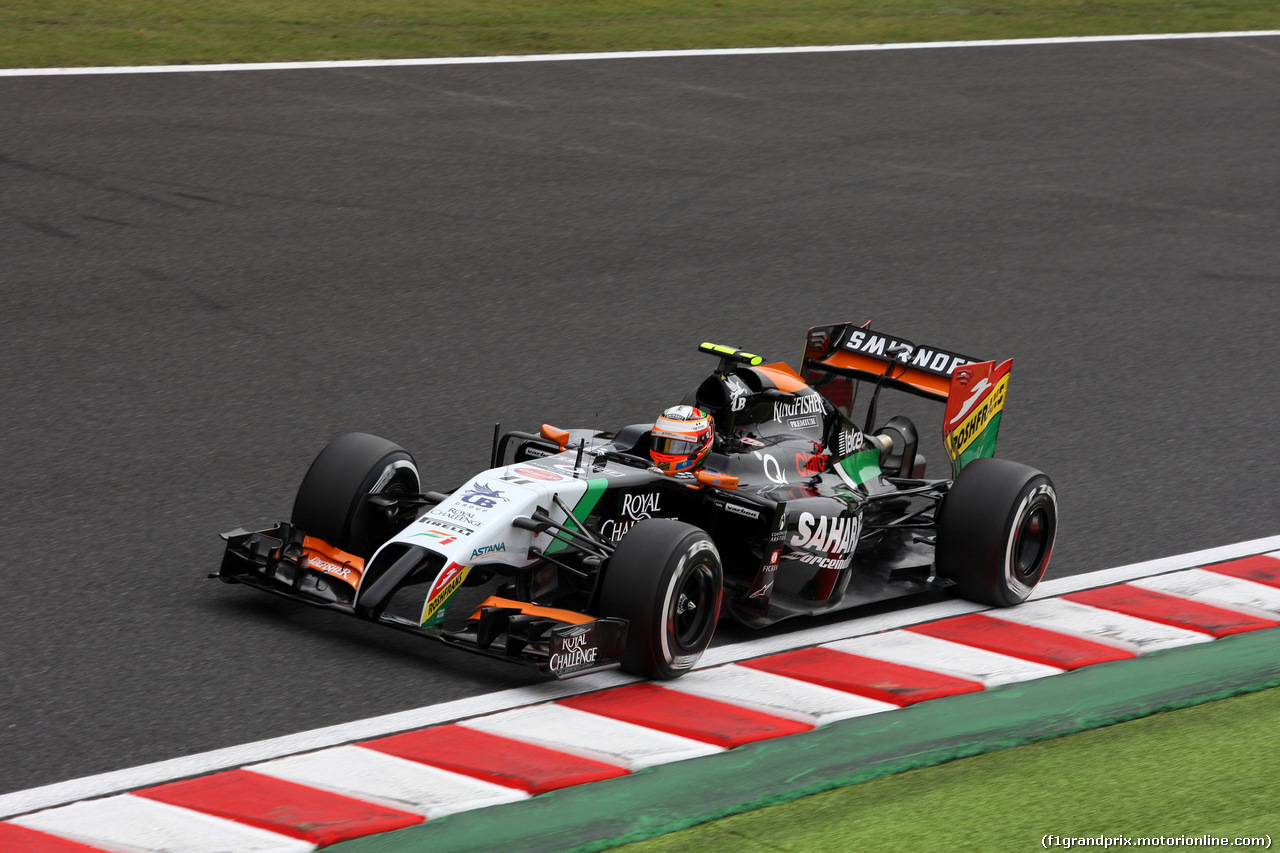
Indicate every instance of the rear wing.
{"type": "Point", "coordinates": [973, 390]}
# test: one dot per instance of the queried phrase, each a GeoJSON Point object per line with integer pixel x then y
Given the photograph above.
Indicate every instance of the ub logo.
{"type": "Point", "coordinates": [482, 496]}
{"type": "Point", "coordinates": [738, 393]}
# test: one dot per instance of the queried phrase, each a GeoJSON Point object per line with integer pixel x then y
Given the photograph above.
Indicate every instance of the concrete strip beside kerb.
{"type": "Point", "coordinates": [665, 799]}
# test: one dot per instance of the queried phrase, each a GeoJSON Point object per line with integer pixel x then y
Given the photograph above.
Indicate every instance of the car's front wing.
{"type": "Point", "coordinates": [284, 561]}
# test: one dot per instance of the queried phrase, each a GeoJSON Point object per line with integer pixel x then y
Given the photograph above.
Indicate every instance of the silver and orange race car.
{"type": "Point", "coordinates": [573, 553]}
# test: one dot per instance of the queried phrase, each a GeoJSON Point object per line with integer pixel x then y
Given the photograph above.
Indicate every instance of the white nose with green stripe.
{"type": "Point", "coordinates": [474, 526]}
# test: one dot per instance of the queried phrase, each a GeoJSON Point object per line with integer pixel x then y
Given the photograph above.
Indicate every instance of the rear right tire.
{"type": "Point", "coordinates": [996, 528]}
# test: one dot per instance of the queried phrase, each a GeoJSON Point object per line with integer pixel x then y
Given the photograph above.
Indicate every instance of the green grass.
{"type": "Point", "coordinates": [1210, 769]}
{"type": "Point", "coordinates": [37, 33]}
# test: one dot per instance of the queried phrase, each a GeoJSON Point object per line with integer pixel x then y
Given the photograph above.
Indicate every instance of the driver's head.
{"type": "Point", "coordinates": [681, 439]}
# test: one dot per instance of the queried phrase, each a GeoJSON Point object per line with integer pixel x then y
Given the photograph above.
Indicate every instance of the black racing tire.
{"type": "Point", "coordinates": [996, 528]}
{"type": "Point", "coordinates": [331, 501]}
{"type": "Point", "coordinates": [659, 568]}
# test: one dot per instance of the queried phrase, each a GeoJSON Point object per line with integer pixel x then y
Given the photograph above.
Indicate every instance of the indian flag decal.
{"type": "Point", "coordinates": [974, 406]}
{"type": "Point", "coordinates": [445, 585]}
{"type": "Point", "coordinates": [440, 537]}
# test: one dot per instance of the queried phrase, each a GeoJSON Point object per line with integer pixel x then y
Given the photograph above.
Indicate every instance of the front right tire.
{"type": "Point", "coordinates": [666, 580]}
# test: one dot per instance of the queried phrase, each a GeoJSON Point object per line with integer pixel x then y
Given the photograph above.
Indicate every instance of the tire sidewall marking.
{"type": "Point", "coordinates": [389, 472]}
{"type": "Point", "coordinates": [359, 506]}
{"type": "Point", "coordinates": [670, 658]}
{"type": "Point", "coordinates": [1015, 584]}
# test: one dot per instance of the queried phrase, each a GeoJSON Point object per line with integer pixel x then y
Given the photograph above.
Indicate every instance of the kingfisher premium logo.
{"type": "Point", "coordinates": [809, 404]}
{"type": "Point", "coordinates": [739, 393]}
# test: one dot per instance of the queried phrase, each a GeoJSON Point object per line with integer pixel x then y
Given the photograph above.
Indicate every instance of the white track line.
{"type": "Point", "coordinates": [60, 793]}
{"type": "Point", "coordinates": [1123, 574]}
{"type": "Point", "coordinates": [620, 54]}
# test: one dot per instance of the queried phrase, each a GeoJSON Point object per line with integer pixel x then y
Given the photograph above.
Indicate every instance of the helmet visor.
{"type": "Point", "coordinates": [674, 446]}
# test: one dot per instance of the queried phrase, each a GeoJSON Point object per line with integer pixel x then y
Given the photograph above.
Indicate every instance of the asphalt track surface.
{"type": "Point", "coordinates": [207, 276]}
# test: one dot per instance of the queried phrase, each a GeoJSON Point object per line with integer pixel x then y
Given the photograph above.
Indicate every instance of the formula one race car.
{"type": "Point", "coordinates": [574, 552]}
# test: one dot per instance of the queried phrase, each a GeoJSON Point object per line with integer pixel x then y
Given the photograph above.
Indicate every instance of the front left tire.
{"type": "Point", "coordinates": [332, 504]}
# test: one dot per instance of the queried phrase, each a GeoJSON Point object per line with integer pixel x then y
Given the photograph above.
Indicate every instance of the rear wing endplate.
{"type": "Point", "coordinates": [975, 407]}
{"type": "Point", "coordinates": [973, 390]}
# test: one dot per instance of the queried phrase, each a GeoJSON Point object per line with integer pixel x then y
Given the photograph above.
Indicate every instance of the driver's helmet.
{"type": "Point", "coordinates": [681, 439]}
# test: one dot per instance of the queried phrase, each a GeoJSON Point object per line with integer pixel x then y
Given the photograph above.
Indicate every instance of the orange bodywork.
{"type": "Point", "coordinates": [335, 562]}
{"type": "Point", "coordinates": [711, 478]}
{"type": "Point", "coordinates": [784, 377]}
{"type": "Point", "coordinates": [559, 436]}
{"type": "Point", "coordinates": [534, 610]}
{"type": "Point", "coordinates": [931, 383]}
